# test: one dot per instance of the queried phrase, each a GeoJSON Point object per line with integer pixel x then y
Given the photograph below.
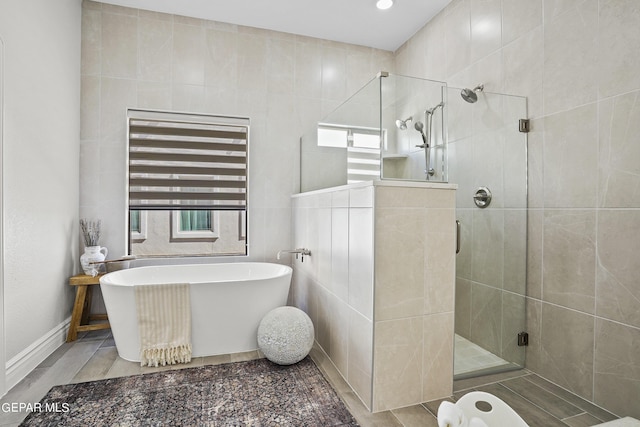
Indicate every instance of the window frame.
{"type": "Point", "coordinates": [184, 236]}
{"type": "Point", "coordinates": [138, 236]}
{"type": "Point", "coordinates": [177, 234]}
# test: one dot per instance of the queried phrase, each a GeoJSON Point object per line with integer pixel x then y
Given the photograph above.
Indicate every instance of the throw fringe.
{"type": "Point", "coordinates": [165, 356]}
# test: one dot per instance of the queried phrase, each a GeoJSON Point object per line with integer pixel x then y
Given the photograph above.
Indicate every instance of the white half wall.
{"type": "Point", "coordinates": [40, 166]}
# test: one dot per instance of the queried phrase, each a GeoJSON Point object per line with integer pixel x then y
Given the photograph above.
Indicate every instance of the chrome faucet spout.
{"type": "Point", "coordinates": [299, 251]}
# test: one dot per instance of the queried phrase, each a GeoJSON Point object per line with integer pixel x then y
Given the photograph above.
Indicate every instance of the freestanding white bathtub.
{"type": "Point", "coordinates": [227, 303]}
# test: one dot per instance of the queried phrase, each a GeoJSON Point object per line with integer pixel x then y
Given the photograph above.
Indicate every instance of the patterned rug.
{"type": "Point", "coordinates": [254, 393]}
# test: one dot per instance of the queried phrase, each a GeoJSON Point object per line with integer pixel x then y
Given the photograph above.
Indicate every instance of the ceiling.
{"type": "Point", "coordinates": [349, 21]}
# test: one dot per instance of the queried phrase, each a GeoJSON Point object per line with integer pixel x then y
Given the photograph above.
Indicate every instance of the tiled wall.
{"type": "Point", "coordinates": [415, 242]}
{"type": "Point", "coordinates": [577, 62]}
{"type": "Point", "coordinates": [335, 284]}
{"type": "Point", "coordinates": [379, 287]}
{"type": "Point", "coordinates": [284, 83]}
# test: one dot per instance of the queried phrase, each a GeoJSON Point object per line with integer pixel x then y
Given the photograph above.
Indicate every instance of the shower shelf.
{"type": "Point", "coordinates": [394, 157]}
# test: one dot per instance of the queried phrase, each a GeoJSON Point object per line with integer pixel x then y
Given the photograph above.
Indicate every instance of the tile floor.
{"type": "Point", "coordinates": [93, 356]}
{"type": "Point", "coordinates": [470, 357]}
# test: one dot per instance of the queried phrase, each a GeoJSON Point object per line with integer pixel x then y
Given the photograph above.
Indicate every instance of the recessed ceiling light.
{"type": "Point", "coordinates": [384, 4]}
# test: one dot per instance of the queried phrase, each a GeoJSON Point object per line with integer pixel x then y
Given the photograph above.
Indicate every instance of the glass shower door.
{"type": "Point", "coordinates": [488, 161]}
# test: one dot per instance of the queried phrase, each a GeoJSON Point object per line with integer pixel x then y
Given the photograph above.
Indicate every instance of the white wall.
{"type": "Point", "coordinates": [40, 166]}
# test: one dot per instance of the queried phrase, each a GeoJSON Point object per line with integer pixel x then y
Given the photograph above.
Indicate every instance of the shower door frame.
{"type": "Point", "coordinates": [510, 203]}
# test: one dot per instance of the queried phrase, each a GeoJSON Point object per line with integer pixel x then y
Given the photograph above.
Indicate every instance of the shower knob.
{"type": "Point", "coordinates": [482, 198]}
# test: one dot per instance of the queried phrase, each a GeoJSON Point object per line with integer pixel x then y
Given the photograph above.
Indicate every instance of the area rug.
{"type": "Point", "coordinates": [256, 393]}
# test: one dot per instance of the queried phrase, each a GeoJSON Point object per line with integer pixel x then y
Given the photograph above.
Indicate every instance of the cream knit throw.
{"type": "Point", "coordinates": [164, 323]}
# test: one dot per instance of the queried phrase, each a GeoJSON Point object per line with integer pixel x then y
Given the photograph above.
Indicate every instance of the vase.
{"type": "Point", "coordinates": [93, 254]}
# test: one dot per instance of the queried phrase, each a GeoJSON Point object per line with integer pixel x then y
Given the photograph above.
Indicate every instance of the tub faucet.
{"type": "Point", "coordinates": [299, 251]}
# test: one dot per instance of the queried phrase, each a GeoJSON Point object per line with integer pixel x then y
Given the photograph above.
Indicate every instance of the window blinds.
{"type": "Point", "coordinates": [187, 161]}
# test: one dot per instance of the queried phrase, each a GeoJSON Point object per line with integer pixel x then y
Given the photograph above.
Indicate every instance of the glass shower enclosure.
{"type": "Point", "coordinates": [488, 161]}
{"type": "Point", "coordinates": [411, 129]}
{"type": "Point", "coordinates": [392, 128]}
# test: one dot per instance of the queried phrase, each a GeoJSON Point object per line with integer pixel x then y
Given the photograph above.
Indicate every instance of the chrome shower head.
{"type": "Point", "coordinates": [470, 95]}
{"type": "Point", "coordinates": [402, 124]}
{"type": "Point", "coordinates": [419, 126]}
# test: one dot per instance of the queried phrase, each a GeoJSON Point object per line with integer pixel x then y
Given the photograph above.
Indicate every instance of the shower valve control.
{"type": "Point", "coordinates": [482, 198]}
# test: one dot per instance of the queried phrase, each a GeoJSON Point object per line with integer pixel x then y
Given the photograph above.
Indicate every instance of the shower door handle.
{"type": "Point", "coordinates": [457, 237]}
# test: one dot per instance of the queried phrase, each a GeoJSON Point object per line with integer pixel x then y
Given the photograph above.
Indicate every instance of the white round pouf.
{"type": "Point", "coordinates": [285, 335]}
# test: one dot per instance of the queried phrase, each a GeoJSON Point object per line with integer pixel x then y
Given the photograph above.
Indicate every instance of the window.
{"type": "Point", "coordinates": [187, 177]}
{"type": "Point", "coordinates": [138, 225]}
{"type": "Point", "coordinates": [363, 149]}
{"type": "Point", "coordinates": [194, 225]}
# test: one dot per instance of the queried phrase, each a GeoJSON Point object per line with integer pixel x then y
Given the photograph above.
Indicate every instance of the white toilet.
{"type": "Point", "coordinates": [478, 409]}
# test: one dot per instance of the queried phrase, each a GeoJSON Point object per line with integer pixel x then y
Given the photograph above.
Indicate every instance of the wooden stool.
{"type": "Point", "coordinates": [81, 315]}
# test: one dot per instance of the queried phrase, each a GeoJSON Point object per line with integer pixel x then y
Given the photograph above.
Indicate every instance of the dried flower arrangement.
{"type": "Point", "coordinates": [90, 232]}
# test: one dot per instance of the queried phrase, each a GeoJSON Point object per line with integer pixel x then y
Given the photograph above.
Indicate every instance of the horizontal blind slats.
{"type": "Point", "coordinates": [190, 132]}
{"type": "Point", "coordinates": [186, 170]}
{"type": "Point", "coordinates": [186, 163]}
{"type": "Point", "coordinates": [192, 195]}
{"type": "Point", "coordinates": [167, 144]}
{"type": "Point", "coordinates": [180, 157]}
{"type": "Point", "coordinates": [185, 183]}
{"type": "Point", "coordinates": [168, 206]}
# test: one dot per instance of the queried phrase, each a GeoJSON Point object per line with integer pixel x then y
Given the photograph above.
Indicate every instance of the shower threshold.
{"type": "Point", "coordinates": [471, 360]}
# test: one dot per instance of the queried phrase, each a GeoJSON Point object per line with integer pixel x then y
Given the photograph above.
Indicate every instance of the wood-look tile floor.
{"type": "Point", "coordinates": [93, 356]}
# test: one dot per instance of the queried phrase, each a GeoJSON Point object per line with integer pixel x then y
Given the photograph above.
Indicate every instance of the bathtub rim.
{"type": "Point", "coordinates": [280, 270]}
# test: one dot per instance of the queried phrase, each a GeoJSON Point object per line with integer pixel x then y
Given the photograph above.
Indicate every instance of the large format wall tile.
{"type": "Point", "coordinates": [91, 41]}
{"type": "Point", "coordinates": [534, 328]}
{"type": "Point", "coordinates": [515, 251]}
{"type": "Point", "coordinates": [618, 287]}
{"type": "Point", "coordinates": [523, 73]}
{"type": "Point", "coordinates": [518, 18]}
{"type": "Point", "coordinates": [569, 259]}
{"type": "Point", "coordinates": [619, 169]}
{"type": "Point", "coordinates": [513, 322]}
{"type": "Point", "coordinates": [486, 317]}
{"type": "Point", "coordinates": [566, 351]}
{"type": "Point", "coordinates": [399, 263]}
{"type": "Point", "coordinates": [463, 307]}
{"type": "Point", "coordinates": [618, 62]}
{"type": "Point", "coordinates": [221, 44]}
{"type": "Point", "coordinates": [188, 54]}
{"type": "Point", "coordinates": [437, 362]}
{"type": "Point", "coordinates": [361, 260]}
{"type": "Point", "coordinates": [486, 27]}
{"type": "Point", "coordinates": [440, 263]}
{"type": "Point", "coordinates": [339, 339]}
{"type": "Point", "coordinates": [570, 67]}
{"type": "Point", "coordinates": [360, 365]}
{"type": "Point", "coordinates": [571, 158]}
{"type": "Point", "coordinates": [487, 259]}
{"type": "Point", "coordinates": [398, 363]}
{"type": "Point", "coordinates": [617, 368]}
{"type": "Point", "coordinates": [119, 46]}
{"type": "Point", "coordinates": [155, 43]}
{"type": "Point", "coordinates": [458, 37]}
{"type": "Point", "coordinates": [340, 252]}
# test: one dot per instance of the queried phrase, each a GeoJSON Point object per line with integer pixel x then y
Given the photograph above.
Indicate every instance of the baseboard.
{"type": "Point", "coordinates": [28, 359]}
